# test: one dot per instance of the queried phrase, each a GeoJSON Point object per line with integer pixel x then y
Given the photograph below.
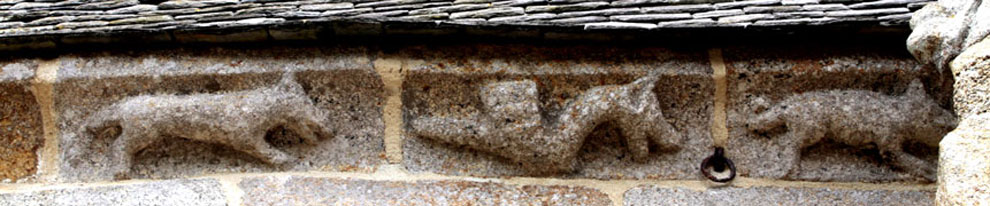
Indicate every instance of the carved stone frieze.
{"type": "Point", "coordinates": [513, 127]}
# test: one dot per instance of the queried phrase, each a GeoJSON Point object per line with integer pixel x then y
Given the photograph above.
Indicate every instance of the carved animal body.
{"type": "Point", "coordinates": [514, 128]}
{"type": "Point", "coordinates": [237, 119]}
{"type": "Point", "coordinates": [859, 118]}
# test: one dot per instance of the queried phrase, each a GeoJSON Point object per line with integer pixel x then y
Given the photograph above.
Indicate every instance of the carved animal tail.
{"type": "Point", "coordinates": [767, 120]}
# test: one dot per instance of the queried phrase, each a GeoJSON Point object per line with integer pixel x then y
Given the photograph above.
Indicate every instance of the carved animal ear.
{"type": "Point", "coordinates": [916, 88]}
{"type": "Point", "coordinates": [644, 84]}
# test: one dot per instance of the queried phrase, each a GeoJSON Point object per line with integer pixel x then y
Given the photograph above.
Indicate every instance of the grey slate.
{"type": "Point", "coordinates": [327, 6]}
{"type": "Point", "coordinates": [650, 17]}
{"type": "Point", "coordinates": [744, 18]}
{"type": "Point", "coordinates": [448, 9]}
{"type": "Point", "coordinates": [883, 3]}
{"type": "Point", "coordinates": [678, 8]}
{"type": "Point", "coordinates": [719, 13]}
{"type": "Point", "coordinates": [566, 7]}
{"type": "Point", "coordinates": [602, 12]}
{"type": "Point", "coordinates": [488, 13]}
{"type": "Point", "coordinates": [824, 7]}
{"type": "Point", "coordinates": [618, 25]}
{"type": "Point", "coordinates": [729, 5]}
{"type": "Point", "coordinates": [108, 4]}
{"type": "Point", "coordinates": [767, 9]}
{"type": "Point", "coordinates": [869, 12]}
{"type": "Point", "coordinates": [179, 4]}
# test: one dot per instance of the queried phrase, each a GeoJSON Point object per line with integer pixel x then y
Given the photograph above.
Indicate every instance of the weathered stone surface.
{"type": "Point", "coordinates": [971, 72]}
{"type": "Point", "coordinates": [652, 195]}
{"type": "Point", "coordinates": [339, 81]}
{"type": "Point", "coordinates": [761, 78]}
{"type": "Point", "coordinates": [20, 121]}
{"type": "Point", "coordinates": [943, 30]}
{"type": "Point", "coordinates": [683, 90]}
{"type": "Point", "coordinates": [339, 191]}
{"type": "Point", "coordinates": [964, 163]}
{"type": "Point", "coordinates": [650, 17]}
{"type": "Point", "coordinates": [196, 192]}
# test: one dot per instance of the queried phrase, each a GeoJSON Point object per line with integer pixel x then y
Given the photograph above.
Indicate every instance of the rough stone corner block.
{"type": "Point", "coordinates": [161, 115]}
{"type": "Point", "coordinates": [840, 113]}
{"type": "Point", "coordinates": [340, 191]}
{"type": "Point", "coordinates": [21, 134]}
{"type": "Point", "coordinates": [496, 113]}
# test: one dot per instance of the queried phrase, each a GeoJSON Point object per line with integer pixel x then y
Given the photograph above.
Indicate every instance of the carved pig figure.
{"type": "Point", "coordinates": [237, 119]}
{"type": "Point", "coordinates": [514, 128]}
{"type": "Point", "coordinates": [859, 118]}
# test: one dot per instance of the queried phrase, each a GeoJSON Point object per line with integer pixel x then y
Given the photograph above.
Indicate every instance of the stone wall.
{"type": "Point", "coordinates": [463, 123]}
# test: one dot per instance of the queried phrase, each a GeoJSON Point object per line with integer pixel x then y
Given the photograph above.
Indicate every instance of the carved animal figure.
{"type": "Point", "coordinates": [237, 119]}
{"type": "Point", "coordinates": [859, 118]}
{"type": "Point", "coordinates": [514, 128]}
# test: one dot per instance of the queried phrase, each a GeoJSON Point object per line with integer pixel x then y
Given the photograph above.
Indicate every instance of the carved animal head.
{"type": "Point", "coordinates": [932, 121]}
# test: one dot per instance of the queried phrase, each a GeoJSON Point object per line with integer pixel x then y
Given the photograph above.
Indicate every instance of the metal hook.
{"type": "Point", "coordinates": [720, 164]}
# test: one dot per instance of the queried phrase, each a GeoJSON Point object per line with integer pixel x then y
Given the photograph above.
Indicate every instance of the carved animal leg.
{"type": "Point", "coordinates": [303, 131]}
{"type": "Point", "coordinates": [910, 163]}
{"type": "Point", "coordinates": [638, 143]}
{"type": "Point", "coordinates": [130, 141]}
{"type": "Point", "coordinates": [792, 143]}
{"type": "Point", "coordinates": [260, 149]}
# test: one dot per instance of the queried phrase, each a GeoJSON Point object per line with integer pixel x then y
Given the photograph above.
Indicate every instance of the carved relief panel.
{"type": "Point", "coordinates": [491, 113]}
{"type": "Point", "coordinates": [213, 111]}
{"type": "Point", "coordinates": [834, 114]}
